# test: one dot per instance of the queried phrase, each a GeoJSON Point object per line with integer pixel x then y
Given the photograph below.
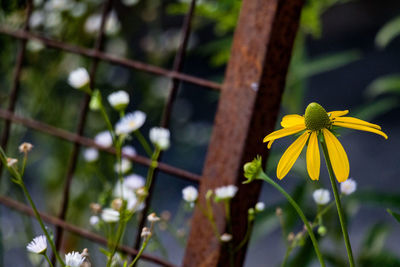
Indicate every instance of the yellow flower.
{"type": "Point", "coordinates": [317, 121]}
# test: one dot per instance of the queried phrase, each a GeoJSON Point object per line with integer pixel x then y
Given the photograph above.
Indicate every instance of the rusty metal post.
{"type": "Point", "coordinates": [247, 111]}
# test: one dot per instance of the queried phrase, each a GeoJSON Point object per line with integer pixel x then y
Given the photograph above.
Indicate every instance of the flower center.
{"type": "Point", "coordinates": [316, 117]}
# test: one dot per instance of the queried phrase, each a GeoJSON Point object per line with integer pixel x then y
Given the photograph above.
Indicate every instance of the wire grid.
{"type": "Point", "coordinates": [97, 55]}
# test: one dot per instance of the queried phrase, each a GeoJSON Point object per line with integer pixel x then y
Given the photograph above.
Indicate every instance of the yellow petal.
{"type": "Point", "coordinates": [357, 121]}
{"type": "Point", "coordinates": [313, 158]}
{"type": "Point", "coordinates": [290, 156]}
{"type": "Point", "coordinates": [269, 144]}
{"type": "Point", "coordinates": [337, 156]}
{"type": "Point", "coordinates": [292, 120]}
{"type": "Point", "coordinates": [359, 127]}
{"type": "Point", "coordinates": [284, 132]}
{"type": "Point", "coordinates": [334, 114]}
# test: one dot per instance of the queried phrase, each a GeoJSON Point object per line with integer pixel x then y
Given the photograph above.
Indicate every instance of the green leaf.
{"type": "Point", "coordinates": [377, 108]}
{"type": "Point", "coordinates": [375, 238]}
{"type": "Point", "coordinates": [384, 85]}
{"type": "Point", "coordinates": [388, 32]}
{"type": "Point", "coordinates": [394, 214]}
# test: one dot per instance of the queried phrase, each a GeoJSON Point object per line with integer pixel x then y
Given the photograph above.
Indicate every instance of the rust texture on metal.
{"type": "Point", "coordinates": [92, 53]}
{"type": "Point", "coordinates": [79, 131]}
{"type": "Point", "coordinates": [247, 111]}
{"type": "Point", "coordinates": [166, 116]}
{"type": "Point", "coordinates": [84, 141]}
{"type": "Point", "coordinates": [15, 82]}
{"type": "Point", "coordinates": [15, 205]}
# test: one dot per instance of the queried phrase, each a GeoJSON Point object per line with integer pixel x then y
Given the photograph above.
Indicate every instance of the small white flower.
{"type": "Point", "coordinates": [160, 137]}
{"type": "Point", "coordinates": [130, 122]}
{"type": "Point", "coordinates": [123, 167]}
{"type": "Point", "coordinates": [78, 9]}
{"type": "Point", "coordinates": [321, 196]}
{"type": "Point", "coordinates": [145, 232]}
{"type": "Point", "coordinates": [38, 245]}
{"type": "Point", "coordinates": [94, 220]}
{"type": "Point", "coordinates": [74, 259]}
{"type": "Point", "coordinates": [134, 182]}
{"type": "Point", "coordinates": [130, 2]}
{"type": "Point", "coordinates": [190, 194]}
{"type": "Point", "coordinates": [36, 19]}
{"type": "Point", "coordinates": [91, 154]}
{"type": "Point", "coordinates": [110, 215]}
{"type": "Point", "coordinates": [92, 24]}
{"type": "Point", "coordinates": [348, 187]}
{"type": "Point", "coordinates": [226, 192]}
{"type": "Point", "coordinates": [260, 206]}
{"type": "Point", "coordinates": [153, 217]}
{"type": "Point", "coordinates": [11, 162]}
{"type": "Point", "coordinates": [25, 147]}
{"type": "Point", "coordinates": [34, 46]}
{"type": "Point", "coordinates": [129, 151]}
{"type": "Point", "coordinates": [103, 139]}
{"type": "Point", "coordinates": [226, 237]}
{"type": "Point", "coordinates": [118, 100]}
{"type": "Point", "coordinates": [78, 78]}
{"type": "Point", "coordinates": [112, 26]}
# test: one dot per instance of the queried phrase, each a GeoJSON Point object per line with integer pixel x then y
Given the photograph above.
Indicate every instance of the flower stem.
{"type": "Point", "coordinates": [338, 205]}
{"type": "Point", "coordinates": [143, 142]}
{"type": "Point", "coordinates": [144, 245]}
{"type": "Point", "coordinates": [264, 177]}
{"type": "Point", "coordinates": [48, 260]}
{"type": "Point", "coordinates": [53, 247]}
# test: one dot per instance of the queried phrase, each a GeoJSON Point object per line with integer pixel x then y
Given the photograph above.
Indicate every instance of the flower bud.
{"type": "Point", "coordinates": [322, 230]}
{"type": "Point", "coordinates": [252, 169]}
{"type": "Point", "coordinates": [95, 101]}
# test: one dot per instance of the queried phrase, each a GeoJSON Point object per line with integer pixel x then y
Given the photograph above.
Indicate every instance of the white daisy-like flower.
{"type": "Point", "coordinates": [94, 220]}
{"type": "Point", "coordinates": [123, 167]}
{"type": "Point", "coordinates": [38, 245]}
{"type": "Point", "coordinates": [112, 26]}
{"type": "Point", "coordinates": [226, 237]}
{"type": "Point", "coordinates": [160, 137]}
{"type": "Point", "coordinates": [321, 196]}
{"type": "Point", "coordinates": [92, 24]}
{"type": "Point", "coordinates": [78, 78]}
{"type": "Point", "coordinates": [110, 215]}
{"type": "Point", "coordinates": [74, 259]}
{"type": "Point", "coordinates": [11, 162]}
{"type": "Point", "coordinates": [78, 9]}
{"type": "Point", "coordinates": [34, 46]}
{"type": "Point", "coordinates": [134, 182]}
{"type": "Point", "coordinates": [226, 192]}
{"type": "Point", "coordinates": [36, 19]}
{"type": "Point", "coordinates": [25, 147]}
{"type": "Point", "coordinates": [153, 217]}
{"type": "Point", "coordinates": [190, 194]}
{"type": "Point", "coordinates": [128, 193]}
{"type": "Point", "coordinates": [119, 100]}
{"type": "Point", "coordinates": [129, 151]}
{"type": "Point", "coordinates": [90, 154]}
{"type": "Point", "coordinates": [103, 139]}
{"type": "Point", "coordinates": [260, 206]}
{"type": "Point", "coordinates": [348, 187]}
{"type": "Point", "coordinates": [130, 122]}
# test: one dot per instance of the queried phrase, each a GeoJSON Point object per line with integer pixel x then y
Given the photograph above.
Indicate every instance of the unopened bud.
{"type": "Point", "coordinates": [145, 232]}
{"type": "Point", "coordinates": [290, 237]}
{"type": "Point", "coordinates": [278, 212]}
{"type": "Point", "coordinates": [25, 147]}
{"type": "Point", "coordinates": [95, 207]}
{"type": "Point", "coordinates": [116, 204]}
{"type": "Point", "coordinates": [252, 169]}
{"type": "Point", "coordinates": [322, 230]}
{"type": "Point", "coordinates": [11, 162]}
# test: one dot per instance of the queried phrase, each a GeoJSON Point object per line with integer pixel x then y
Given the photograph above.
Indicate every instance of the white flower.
{"type": "Point", "coordinates": [130, 2]}
{"type": "Point", "coordinates": [92, 24]}
{"type": "Point", "coordinates": [190, 193]}
{"type": "Point", "coordinates": [153, 217]}
{"type": "Point", "coordinates": [91, 154]}
{"type": "Point", "coordinates": [38, 245]}
{"type": "Point", "coordinates": [321, 196]}
{"type": "Point", "coordinates": [348, 187]}
{"type": "Point", "coordinates": [123, 167]}
{"type": "Point", "coordinates": [129, 151]}
{"type": "Point", "coordinates": [160, 137]}
{"type": "Point", "coordinates": [226, 237]}
{"type": "Point", "coordinates": [78, 78]}
{"type": "Point", "coordinates": [74, 259]}
{"type": "Point", "coordinates": [36, 19]}
{"type": "Point", "coordinates": [103, 139]}
{"type": "Point", "coordinates": [94, 220]}
{"type": "Point", "coordinates": [130, 123]}
{"type": "Point", "coordinates": [134, 182]}
{"type": "Point", "coordinates": [110, 215]}
{"type": "Point", "coordinates": [146, 232]}
{"type": "Point", "coordinates": [118, 100]}
{"type": "Point", "coordinates": [25, 147]}
{"type": "Point", "coordinates": [78, 9]}
{"type": "Point", "coordinates": [59, 5]}
{"type": "Point", "coordinates": [260, 206]}
{"type": "Point", "coordinates": [34, 46]}
{"type": "Point", "coordinates": [11, 162]}
{"type": "Point", "coordinates": [112, 26]}
{"type": "Point", "coordinates": [226, 192]}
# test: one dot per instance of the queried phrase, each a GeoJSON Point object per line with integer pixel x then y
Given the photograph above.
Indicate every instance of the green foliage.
{"type": "Point", "coordinates": [394, 214]}
{"type": "Point", "coordinates": [388, 33]}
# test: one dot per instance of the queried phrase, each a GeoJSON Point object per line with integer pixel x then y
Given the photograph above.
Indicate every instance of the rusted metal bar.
{"type": "Point", "coordinates": [72, 137]}
{"type": "Point", "coordinates": [15, 83]}
{"type": "Point", "coordinates": [81, 124]}
{"type": "Point", "coordinates": [247, 110]}
{"type": "Point", "coordinates": [20, 207]}
{"type": "Point", "coordinates": [177, 67]}
{"type": "Point", "coordinates": [92, 53]}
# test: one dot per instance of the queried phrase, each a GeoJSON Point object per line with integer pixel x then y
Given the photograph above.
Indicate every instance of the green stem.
{"type": "Point", "coordinates": [338, 205]}
{"type": "Point", "coordinates": [48, 260]}
{"type": "Point", "coordinates": [144, 245]}
{"type": "Point", "coordinates": [264, 177]}
{"type": "Point", "coordinates": [287, 254]}
{"type": "Point", "coordinates": [53, 247]}
{"type": "Point", "coordinates": [229, 223]}
{"type": "Point", "coordinates": [247, 235]}
{"type": "Point", "coordinates": [143, 142]}
{"type": "Point", "coordinates": [153, 166]}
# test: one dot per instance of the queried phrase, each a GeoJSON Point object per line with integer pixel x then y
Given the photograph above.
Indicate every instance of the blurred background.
{"type": "Point", "coordinates": [346, 56]}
